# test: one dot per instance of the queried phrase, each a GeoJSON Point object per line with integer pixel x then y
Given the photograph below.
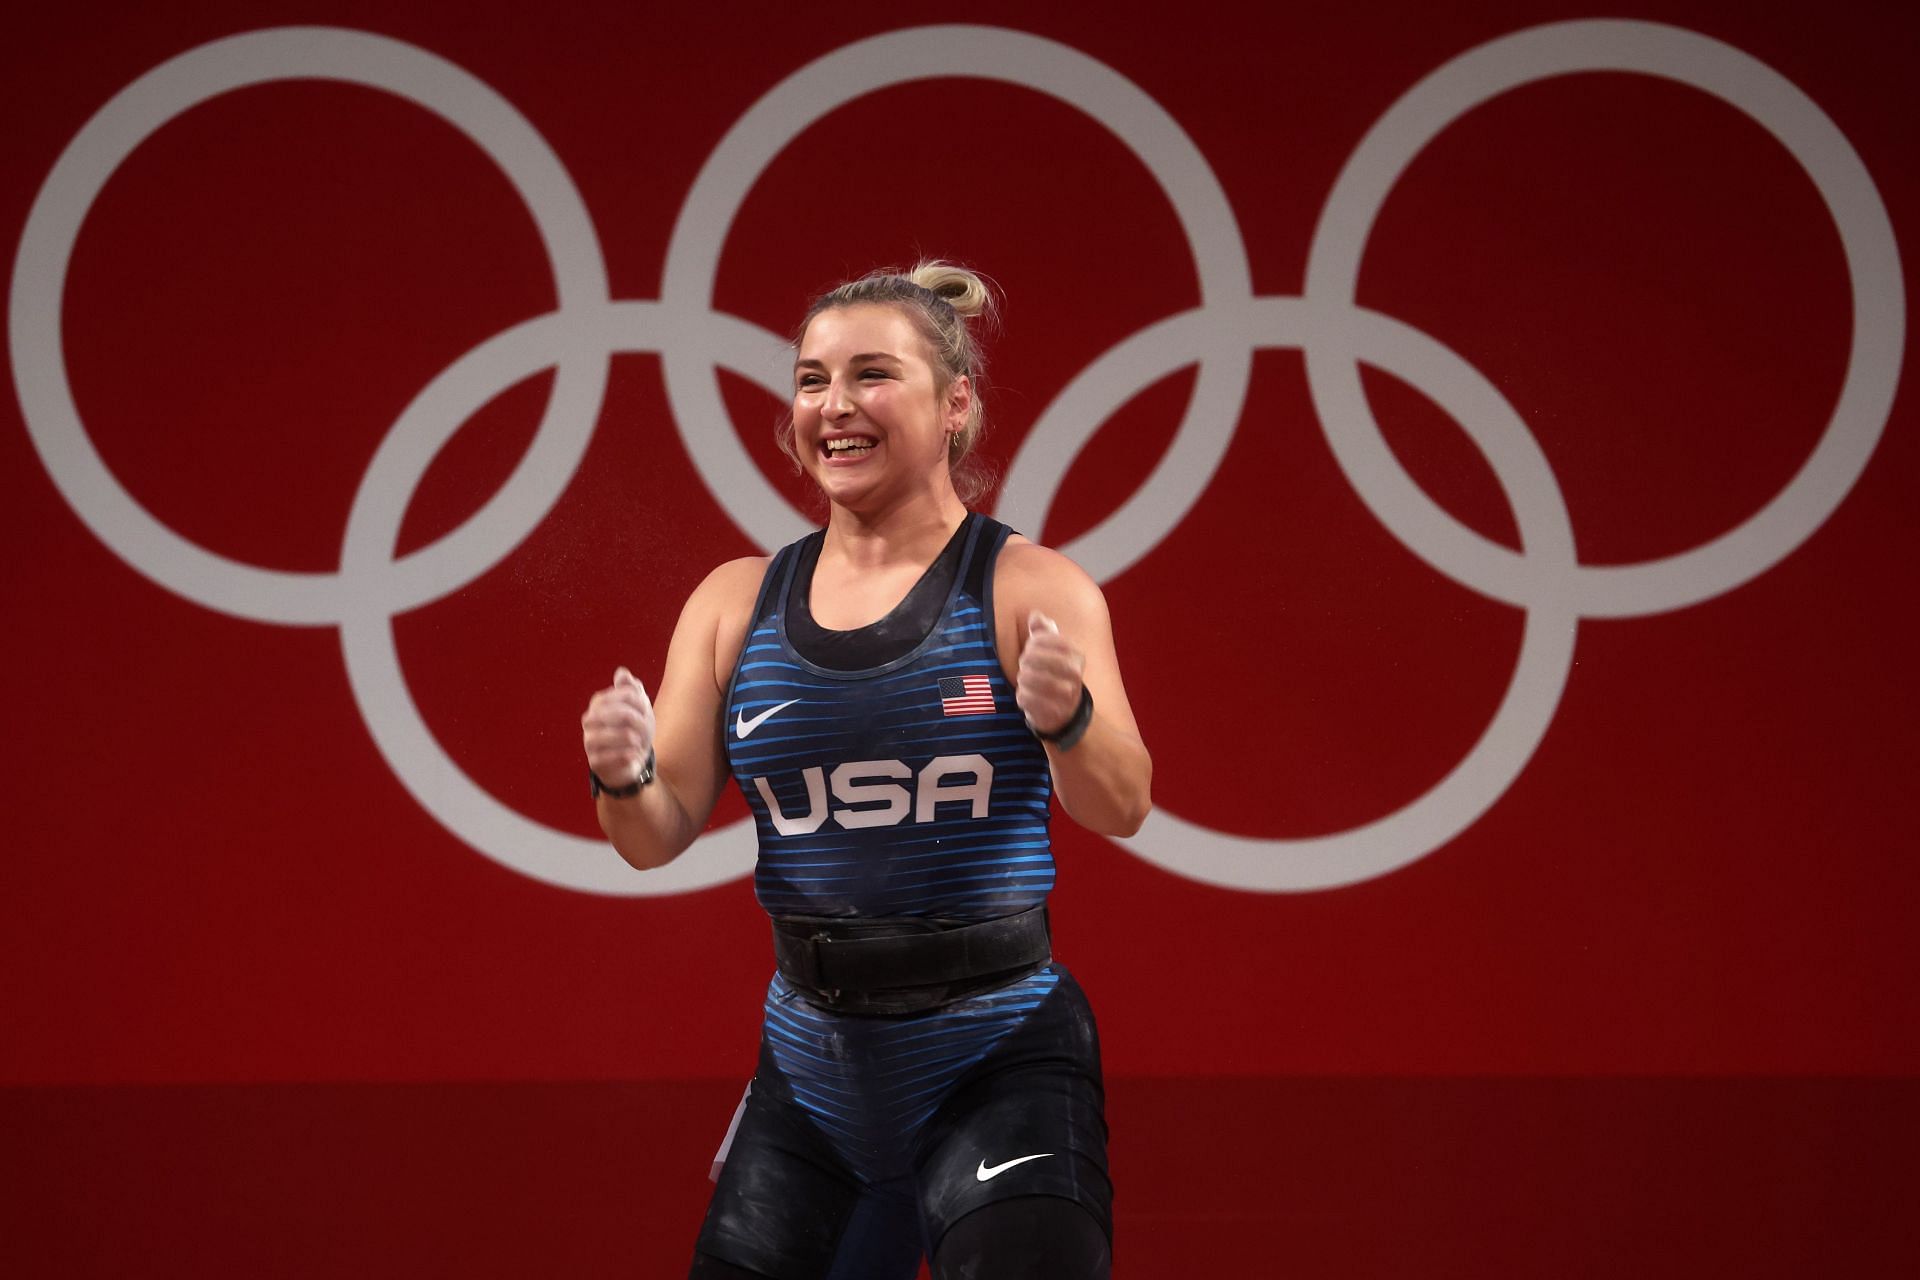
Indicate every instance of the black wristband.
{"type": "Point", "coordinates": [1076, 726]}
{"type": "Point", "coordinates": [597, 788]}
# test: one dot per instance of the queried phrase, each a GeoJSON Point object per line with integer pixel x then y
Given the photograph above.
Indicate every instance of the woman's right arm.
{"type": "Point", "coordinates": [683, 727]}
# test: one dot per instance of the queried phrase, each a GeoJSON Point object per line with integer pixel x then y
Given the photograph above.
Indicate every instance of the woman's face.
{"type": "Point", "coordinates": [869, 420]}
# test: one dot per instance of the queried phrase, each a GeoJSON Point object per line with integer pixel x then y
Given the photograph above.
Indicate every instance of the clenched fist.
{"type": "Point", "coordinates": [618, 729]}
{"type": "Point", "coordinates": [1048, 682]}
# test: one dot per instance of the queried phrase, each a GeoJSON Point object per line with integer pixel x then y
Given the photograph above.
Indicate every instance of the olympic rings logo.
{"type": "Point", "coordinates": [1544, 579]}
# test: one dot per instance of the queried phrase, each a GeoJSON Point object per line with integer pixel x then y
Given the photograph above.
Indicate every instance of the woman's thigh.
{"type": "Point", "coordinates": [787, 1206]}
{"type": "Point", "coordinates": [1028, 1238]}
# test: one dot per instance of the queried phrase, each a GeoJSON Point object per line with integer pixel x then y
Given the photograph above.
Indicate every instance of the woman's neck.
{"type": "Point", "coordinates": [912, 532]}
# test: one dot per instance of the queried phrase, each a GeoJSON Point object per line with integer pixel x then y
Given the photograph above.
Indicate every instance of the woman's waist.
{"type": "Point", "coordinates": [904, 964]}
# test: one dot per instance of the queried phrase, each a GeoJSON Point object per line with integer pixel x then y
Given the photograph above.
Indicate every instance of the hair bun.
{"type": "Point", "coordinates": [965, 291]}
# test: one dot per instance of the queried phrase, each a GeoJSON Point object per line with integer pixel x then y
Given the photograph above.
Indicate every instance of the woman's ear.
{"type": "Point", "coordinates": [959, 403]}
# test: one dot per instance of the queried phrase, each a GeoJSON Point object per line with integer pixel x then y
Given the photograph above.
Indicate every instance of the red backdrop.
{"type": "Point", "coordinates": [1502, 957]}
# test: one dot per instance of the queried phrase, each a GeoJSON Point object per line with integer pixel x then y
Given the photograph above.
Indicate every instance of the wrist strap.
{"type": "Point", "coordinates": [1076, 726]}
{"type": "Point", "coordinates": [597, 788]}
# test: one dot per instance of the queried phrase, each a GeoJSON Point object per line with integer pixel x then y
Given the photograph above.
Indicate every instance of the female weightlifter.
{"type": "Point", "coordinates": [897, 696]}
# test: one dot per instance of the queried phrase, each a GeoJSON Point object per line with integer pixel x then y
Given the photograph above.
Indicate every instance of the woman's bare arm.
{"type": "Point", "coordinates": [1104, 781]}
{"type": "Point", "coordinates": [655, 826]}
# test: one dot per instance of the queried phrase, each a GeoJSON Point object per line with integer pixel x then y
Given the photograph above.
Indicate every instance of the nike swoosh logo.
{"type": "Point", "coordinates": [983, 1172]}
{"type": "Point", "coordinates": [742, 726]}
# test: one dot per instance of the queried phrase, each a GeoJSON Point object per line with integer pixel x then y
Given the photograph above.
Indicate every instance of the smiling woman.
{"type": "Point", "coordinates": [898, 711]}
{"type": "Point", "coordinates": [936, 302]}
{"type": "Point", "coordinates": [869, 411]}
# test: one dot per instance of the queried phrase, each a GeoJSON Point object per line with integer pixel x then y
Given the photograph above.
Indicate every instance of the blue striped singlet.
{"type": "Point", "coordinates": [912, 788]}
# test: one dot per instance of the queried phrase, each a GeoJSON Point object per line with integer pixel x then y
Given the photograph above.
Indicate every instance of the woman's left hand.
{"type": "Point", "coordinates": [1048, 682]}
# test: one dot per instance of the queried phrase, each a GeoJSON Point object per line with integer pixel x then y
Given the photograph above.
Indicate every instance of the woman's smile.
{"type": "Point", "coordinates": [847, 449]}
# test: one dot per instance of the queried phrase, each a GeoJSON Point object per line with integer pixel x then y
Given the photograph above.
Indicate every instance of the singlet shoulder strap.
{"type": "Point", "coordinates": [779, 575]}
{"type": "Point", "coordinates": [984, 541]}
{"type": "Point", "coordinates": [773, 585]}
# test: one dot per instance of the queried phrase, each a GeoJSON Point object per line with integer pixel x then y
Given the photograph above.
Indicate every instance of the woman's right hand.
{"type": "Point", "coordinates": [618, 730]}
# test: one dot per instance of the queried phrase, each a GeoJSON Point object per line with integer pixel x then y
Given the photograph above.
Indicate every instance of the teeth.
{"type": "Point", "coordinates": [849, 446]}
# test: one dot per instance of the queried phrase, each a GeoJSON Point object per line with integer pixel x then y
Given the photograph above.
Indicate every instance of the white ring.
{"type": "Point", "coordinates": [132, 116]}
{"type": "Point", "coordinates": [429, 774]}
{"type": "Point", "coordinates": [989, 53]}
{"type": "Point", "coordinates": [1873, 266]}
{"type": "Point", "coordinates": [1546, 650]}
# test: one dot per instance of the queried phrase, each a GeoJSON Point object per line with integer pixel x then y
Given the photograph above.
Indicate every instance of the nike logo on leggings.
{"type": "Point", "coordinates": [983, 1172]}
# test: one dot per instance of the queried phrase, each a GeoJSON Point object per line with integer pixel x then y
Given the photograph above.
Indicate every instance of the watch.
{"type": "Point", "coordinates": [1076, 726]}
{"type": "Point", "coordinates": [597, 788]}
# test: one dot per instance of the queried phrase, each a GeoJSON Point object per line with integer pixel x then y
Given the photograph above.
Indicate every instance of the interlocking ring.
{"type": "Point", "coordinates": [1544, 578]}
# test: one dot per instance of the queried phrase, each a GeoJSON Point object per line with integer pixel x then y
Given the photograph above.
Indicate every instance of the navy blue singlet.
{"type": "Point", "coordinates": [911, 788]}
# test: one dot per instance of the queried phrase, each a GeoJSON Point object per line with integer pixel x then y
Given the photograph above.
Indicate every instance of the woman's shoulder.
{"type": "Point", "coordinates": [725, 597]}
{"type": "Point", "coordinates": [720, 611]}
{"type": "Point", "coordinates": [735, 574]}
{"type": "Point", "coordinates": [1027, 572]}
{"type": "Point", "coordinates": [732, 585]}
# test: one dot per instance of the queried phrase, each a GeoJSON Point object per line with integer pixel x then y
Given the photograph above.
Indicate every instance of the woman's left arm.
{"type": "Point", "coordinates": [1053, 616]}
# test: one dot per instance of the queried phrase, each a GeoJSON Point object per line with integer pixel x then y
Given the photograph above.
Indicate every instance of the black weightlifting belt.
{"type": "Point", "coordinates": [906, 964]}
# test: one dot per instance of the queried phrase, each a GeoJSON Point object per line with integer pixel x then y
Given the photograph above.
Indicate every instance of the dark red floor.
{"type": "Point", "coordinates": [1290, 1177]}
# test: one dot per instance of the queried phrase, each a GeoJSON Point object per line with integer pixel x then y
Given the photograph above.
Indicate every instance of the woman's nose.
{"type": "Point", "coordinates": [838, 403]}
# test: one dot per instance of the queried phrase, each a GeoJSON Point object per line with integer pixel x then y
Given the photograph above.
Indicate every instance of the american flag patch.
{"type": "Point", "coordinates": [966, 695]}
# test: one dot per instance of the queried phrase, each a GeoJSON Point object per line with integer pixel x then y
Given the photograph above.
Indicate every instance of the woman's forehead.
{"type": "Point", "coordinates": [865, 328]}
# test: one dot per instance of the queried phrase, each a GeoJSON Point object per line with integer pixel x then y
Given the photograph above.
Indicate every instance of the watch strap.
{"type": "Point", "coordinates": [1076, 726]}
{"type": "Point", "coordinates": [596, 788]}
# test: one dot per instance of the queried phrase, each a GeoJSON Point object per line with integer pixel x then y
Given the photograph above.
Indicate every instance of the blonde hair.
{"type": "Point", "coordinates": [940, 298]}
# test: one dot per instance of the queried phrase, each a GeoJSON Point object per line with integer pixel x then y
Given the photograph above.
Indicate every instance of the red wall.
{"type": "Point", "coordinates": [1569, 792]}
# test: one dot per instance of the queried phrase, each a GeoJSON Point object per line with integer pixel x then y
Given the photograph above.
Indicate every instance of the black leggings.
{"type": "Point", "coordinates": [1026, 1238]}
